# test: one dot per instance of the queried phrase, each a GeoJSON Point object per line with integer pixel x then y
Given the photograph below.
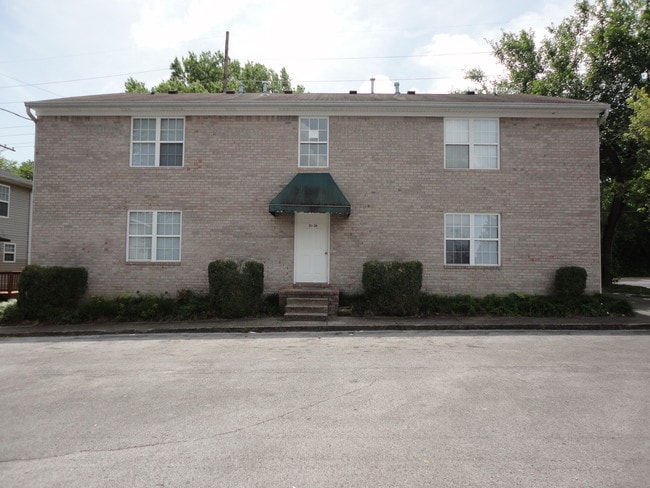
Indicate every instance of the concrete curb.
{"type": "Point", "coordinates": [337, 324]}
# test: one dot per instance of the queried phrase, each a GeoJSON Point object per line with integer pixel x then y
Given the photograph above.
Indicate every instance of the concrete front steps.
{"type": "Point", "coordinates": [309, 302]}
{"type": "Point", "coordinates": [306, 309]}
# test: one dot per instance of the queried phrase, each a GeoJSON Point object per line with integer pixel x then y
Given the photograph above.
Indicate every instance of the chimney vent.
{"type": "Point", "coordinates": [265, 88]}
{"type": "Point", "coordinates": [372, 86]}
{"type": "Point", "coordinates": [353, 92]}
{"type": "Point", "coordinates": [397, 88]}
{"type": "Point", "coordinates": [241, 88]}
{"type": "Point", "coordinates": [410, 92]}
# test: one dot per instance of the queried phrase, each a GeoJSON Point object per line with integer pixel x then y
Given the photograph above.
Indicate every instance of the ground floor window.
{"type": "Point", "coordinates": [472, 239]}
{"type": "Point", "coordinates": [9, 253]}
{"type": "Point", "coordinates": [154, 236]}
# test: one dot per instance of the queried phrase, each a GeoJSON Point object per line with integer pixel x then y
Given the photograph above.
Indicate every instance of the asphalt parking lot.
{"type": "Point", "coordinates": [398, 409]}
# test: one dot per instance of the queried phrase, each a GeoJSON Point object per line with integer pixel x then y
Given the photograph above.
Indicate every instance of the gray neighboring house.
{"type": "Point", "coordinates": [15, 214]}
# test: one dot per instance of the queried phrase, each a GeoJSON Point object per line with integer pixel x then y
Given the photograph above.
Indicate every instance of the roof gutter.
{"type": "Point", "coordinates": [417, 109]}
{"type": "Point", "coordinates": [603, 117]}
{"type": "Point", "coordinates": [30, 113]}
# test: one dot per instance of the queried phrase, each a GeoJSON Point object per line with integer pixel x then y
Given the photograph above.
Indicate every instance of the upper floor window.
{"type": "Point", "coordinates": [154, 236]}
{"type": "Point", "coordinates": [4, 201]}
{"type": "Point", "coordinates": [9, 253]}
{"type": "Point", "coordinates": [472, 239]}
{"type": "Point", "coordinates": [157, 142]}
{"type": "Point", "coordinates": [472, 143]}
{"type": "Point", "coordinates": [314, 139]}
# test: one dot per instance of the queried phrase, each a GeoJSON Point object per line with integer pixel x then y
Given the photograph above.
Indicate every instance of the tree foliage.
{"type": "Point", "coordinates": [24, 169]}
{"type": "Point", "coordinates": [601, 53]}
{"type": "Point", "coordinates": [204, 73]}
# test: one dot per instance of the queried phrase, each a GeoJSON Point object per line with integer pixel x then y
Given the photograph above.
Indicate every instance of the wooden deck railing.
{"type": "Point", "coordinates": [9, 283]}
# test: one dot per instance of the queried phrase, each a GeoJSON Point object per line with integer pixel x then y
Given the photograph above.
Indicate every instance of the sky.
{"type": "Point", "coordinates": [53, 49]}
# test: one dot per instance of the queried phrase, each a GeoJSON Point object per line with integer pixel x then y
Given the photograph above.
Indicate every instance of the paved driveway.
{"type": "Point", "coordinates": [403, 409]}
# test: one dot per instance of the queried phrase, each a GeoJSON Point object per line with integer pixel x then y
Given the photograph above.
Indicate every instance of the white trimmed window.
{"type": "Point", "coordinates": [9, 253]}
{"type": "Point", "coordinates": [4, 201]}
{"type": "Point", "coordinates": [154, 236]}
{"type": "Point", "coordinates": [314, 141]}
{"type": "Point", "coordinates": [157, 142]}
{"type": "Point", "coordinates": [472, 143]}
{"type": "Point", "coordinates": [472, 239]}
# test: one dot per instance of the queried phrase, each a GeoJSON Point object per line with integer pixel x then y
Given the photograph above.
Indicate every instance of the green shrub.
{"type": "Point", "coordinates": [236, 289]}
{"type": "Point", "coordinates": [192, 306]}
{"type": "Point", "coordinates": [392, 288]}
{"type": "Point", "coordinates": [519, 304]}
{"type": "Point", "coordinates": [270, 305]}
{"type": "Point", "coordinates": [44, 291]}
{"type": "Point", "coordinates": [570, 281]}
{"type": "Point", "coordinates": [9, 311]}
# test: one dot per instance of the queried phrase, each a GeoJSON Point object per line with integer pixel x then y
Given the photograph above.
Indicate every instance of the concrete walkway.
{"type": "Point", "coordinates": [277, 324]}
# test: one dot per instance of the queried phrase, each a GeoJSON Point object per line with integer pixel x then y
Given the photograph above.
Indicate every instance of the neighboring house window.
{"type": "Point", "coordinates": [9, 253]}
{"type": "Point", "coordinates": [4, 201]}
{"type": "Point", "coordinates": [472, 143]}
{"type": "Point", "coordinates": [472, 239]}
{"type": "Point", "coordinates": [314, 138]}
{"type": "Point", "coordinates": [154, 236]}
{"type": "Point", "coordinates": [157, 142]}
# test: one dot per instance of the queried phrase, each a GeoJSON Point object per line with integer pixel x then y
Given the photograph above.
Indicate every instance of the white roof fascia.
{"type": "Point", "coordinates": [323, 108]}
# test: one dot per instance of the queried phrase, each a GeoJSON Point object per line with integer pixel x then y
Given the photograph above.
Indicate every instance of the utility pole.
{"type": "Point", "coordinates": [225, 64]}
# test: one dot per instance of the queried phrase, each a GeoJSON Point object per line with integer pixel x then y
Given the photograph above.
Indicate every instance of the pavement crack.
{"type": "Point", "coordinates": [198, 439]}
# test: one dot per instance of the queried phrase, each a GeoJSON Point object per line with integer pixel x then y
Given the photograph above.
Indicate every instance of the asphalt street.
{"type": "Point", "coordinates": [371, 409]}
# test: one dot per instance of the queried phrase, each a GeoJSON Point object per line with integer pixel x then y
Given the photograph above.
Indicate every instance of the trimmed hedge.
{"type": "Point", "coordinates": [392, 287]}
{"type": "Point", "coordinates": [236, 288]}
{"type": "Point", "coordinates": [511, 305]}
{"type": "Point", "coordinates": [46, 290]}
{"type": "Point", "coordinates": [570, 281]}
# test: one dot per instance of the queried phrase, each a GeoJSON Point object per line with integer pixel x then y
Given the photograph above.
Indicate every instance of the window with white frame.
{"type": "Point", "coordinates": [314, 141]}
{"type": "Point", "coordinates": [154, 236]}
{"type": "Point", "coordinates": [472, 239]}
{"type": "Point", "coordinates": [157, 142]}
{"type": "Point", "coordinates": [472, 143]}
{"type": "Point", "coordinates": [4, 201]}
{"type": "Point", "coordinates": [9, 253]}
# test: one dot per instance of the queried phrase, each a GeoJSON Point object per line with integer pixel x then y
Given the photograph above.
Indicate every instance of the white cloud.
{"type": "Point", "coordinates": [382, 84]}
{"type": "Point", "coordinates": [164, 24]}
{"type": "Point", "coordinates": [448, 57]}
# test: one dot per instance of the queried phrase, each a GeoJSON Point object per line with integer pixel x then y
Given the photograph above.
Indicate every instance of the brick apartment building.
{"type": "Point", "coordinates": [491, 193]}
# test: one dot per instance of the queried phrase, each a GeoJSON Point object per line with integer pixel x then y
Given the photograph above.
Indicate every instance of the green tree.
{"type": "Point", "coordinates": [639, 134]}
{"type": "Point", "coordinates": [601, 53]}
{"type": "Point", "coordinates": [24, 169]}
{"type": "Point", "coordinates": [204, 73]}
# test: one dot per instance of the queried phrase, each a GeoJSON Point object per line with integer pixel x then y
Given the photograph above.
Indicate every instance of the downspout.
{"type": "Point", "coordinates": [602, 118]}
{"type": "Point", "coordinates": [31, 115]}
{"type": "Point", "coordinates": [31, 195]}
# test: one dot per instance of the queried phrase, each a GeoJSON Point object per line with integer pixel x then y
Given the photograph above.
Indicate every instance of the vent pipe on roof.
{"type": "Point", "coordinates": [241, 88]}
{"type": "Point", "coordinates": [265, 88]}
{"type": "Point", "coordinates": [372, 85]}
{"type": "Point", "coordinates": [397, 88]}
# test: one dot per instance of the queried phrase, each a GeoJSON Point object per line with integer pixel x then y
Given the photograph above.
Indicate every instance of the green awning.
{"type": "Point", "coordinates": [311, 192]}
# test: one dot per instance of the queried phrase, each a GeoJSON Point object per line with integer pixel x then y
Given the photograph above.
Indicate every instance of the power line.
{"type": "Point", "coordinates": [350, 58]}
{"type": "Point", "coordinates": [14, 113]}
{"type": "Point", "coordinates": [83, 79]}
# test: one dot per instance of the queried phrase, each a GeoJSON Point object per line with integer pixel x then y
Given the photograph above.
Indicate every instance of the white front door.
{"type": "Point", "coordinates": [311, 248]}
